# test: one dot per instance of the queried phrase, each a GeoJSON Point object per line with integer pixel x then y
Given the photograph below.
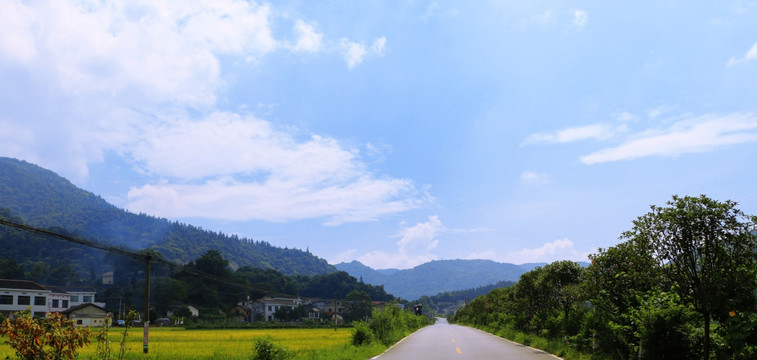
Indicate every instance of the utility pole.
{"type": "Point", "coordinates": [148, 257]}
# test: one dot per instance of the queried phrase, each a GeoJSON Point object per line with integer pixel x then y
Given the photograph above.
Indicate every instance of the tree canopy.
{"type": "Point", "coordinates": [681, 268]}
{"type": "Point", "coordinates": [707, 249]}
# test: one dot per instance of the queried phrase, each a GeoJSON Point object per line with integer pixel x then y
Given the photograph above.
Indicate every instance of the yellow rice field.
{"type": "Point", "coordinates": [178, 343]}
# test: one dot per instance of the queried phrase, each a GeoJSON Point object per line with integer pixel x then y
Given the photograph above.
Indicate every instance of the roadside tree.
{"type": "Point", "coordinates": [706, 249]}
{"type": "Point", "coordinates": [359, 305]}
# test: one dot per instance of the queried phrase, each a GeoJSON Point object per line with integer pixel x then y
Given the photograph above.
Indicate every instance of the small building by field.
{"type": "Point", "coordinates": [271, 304]}
{"type": "Point", "coordinates": [86, 315]}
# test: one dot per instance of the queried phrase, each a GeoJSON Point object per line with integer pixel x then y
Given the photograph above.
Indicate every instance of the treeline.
{"type": "Point", "coordinates": [449, 301]}
{"type": "Point", "coordinates": [210, 284]}
{"type": "Point", "coordinates": [48, 261]}
{"type": "Point", "coordinates": [681, 285]}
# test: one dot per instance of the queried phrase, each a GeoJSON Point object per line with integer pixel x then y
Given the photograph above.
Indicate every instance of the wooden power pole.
{"type": "Point", "coordinates": [148, 257]}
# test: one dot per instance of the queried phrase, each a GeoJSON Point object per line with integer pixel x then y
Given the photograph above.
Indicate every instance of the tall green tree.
{"type": "Point", "coordinates": [706, 248]}
{"type": "Point", "coordinates": [359, 305]}
{"type": "Point", "coordinates": [616, 282]}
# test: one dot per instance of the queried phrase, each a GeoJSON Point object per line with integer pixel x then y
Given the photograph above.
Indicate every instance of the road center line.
{"type": "Point", "coordinates": [458, 350]}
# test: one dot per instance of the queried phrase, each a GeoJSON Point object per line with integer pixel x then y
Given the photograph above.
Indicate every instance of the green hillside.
{"type": "Point", "coordinates": [41, 198]}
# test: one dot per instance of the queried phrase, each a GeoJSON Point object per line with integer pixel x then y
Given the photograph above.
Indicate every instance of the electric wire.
{"type": "Point", "coordinates": [143, 256]}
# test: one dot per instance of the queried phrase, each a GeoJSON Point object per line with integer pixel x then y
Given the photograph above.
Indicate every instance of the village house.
{"type": "Point", "coordinates": [270, 305]}
{"type": "Point", "coordinates": [20, 295]}
{"type": "Point", "coordinates": [108, 278]}
{"type": "Point", "coordinates": [86, 315]}
{"type": "Point", "coordinates": [334, 305]}
{"type": "Point", "coordinates": [315, 310]}
{"type": "Point", "coordinates": [58, 300]}
{"type": "Point", "coordinates": [80, 295]}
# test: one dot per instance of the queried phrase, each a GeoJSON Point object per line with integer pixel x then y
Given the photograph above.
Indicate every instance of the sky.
{"type": "Point", "coordinates": [389, 132]}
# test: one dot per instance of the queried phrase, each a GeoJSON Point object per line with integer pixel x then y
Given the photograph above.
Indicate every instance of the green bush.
{"type": "Point", "coordinates": [265, 349]}
{"type": "Point", "coordinates": [52, 337]}
{"type": "Point", "coordinates": [391, 324]}
{"type": "Point", "coordinates": [361, 334]}
{"type": "Point", "coordinates": [667, 329]}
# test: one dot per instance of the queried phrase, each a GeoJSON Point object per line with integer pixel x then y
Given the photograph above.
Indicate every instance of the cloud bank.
{"type": "Point", "coordinates": [680, 135]}
{"type": "Point", "coordinates": [141, 80]}
{"type": "Point", "coordinates": [414, 247]}
{"type": "Point", "coordinates": [694, 135]}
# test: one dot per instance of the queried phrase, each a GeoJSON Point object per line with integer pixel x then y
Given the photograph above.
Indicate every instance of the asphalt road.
{"type": "Point", "coordinates": [446, 341]}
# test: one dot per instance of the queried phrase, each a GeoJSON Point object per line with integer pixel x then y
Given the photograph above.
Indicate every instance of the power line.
{"type": "Point", "coordinates": [96, 245]}
{"type": "Point", "coordinates": [142, 256]}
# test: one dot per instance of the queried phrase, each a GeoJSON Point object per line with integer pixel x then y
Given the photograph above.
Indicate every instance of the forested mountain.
{"type": "Point", "coordinates": [40, 198]}
{"type": "Point", "coordinates": [437, 276]}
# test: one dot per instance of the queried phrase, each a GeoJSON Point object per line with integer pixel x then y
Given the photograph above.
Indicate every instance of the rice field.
{"type": "Point", "coordinates": [232, 344]}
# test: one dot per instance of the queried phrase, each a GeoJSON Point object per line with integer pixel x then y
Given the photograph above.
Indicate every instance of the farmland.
{"type": "Point", "coordinates": [179, 343]}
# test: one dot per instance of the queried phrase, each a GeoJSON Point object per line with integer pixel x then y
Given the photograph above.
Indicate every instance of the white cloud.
{"type": "Point", "coordinates": [589, 132]}
{"type": "Point", "coordinates": [625, 117]}
{"type": "Point", "coordinates": [544, 19]}
{"type": "Point", "coordinates": [751, 55]}
{"type": "Point", "coordinates": [580, 18]}
{"type": "Point", "coordinates": [660, 110]}
{"type": "Point", "coordinates": [421, 237]}
{"type": "Point", "coordinates": [229, 166]}
{"type": "Point", "coordinates": [534, 178]}
{"type": "Point", "coordinates": [140, 80]}
{"type": "Point", "coordinates": [16, 32]}
{"type": "Point", "coordinates": [308, 40]}
{"type": "Point", "coordinates": [354, 52]}
{"type": "Point", "coordinates": [560, 249]}
{"type": "Point", "coordinates": [390, 260]}
{"type": "Point", "coordinates": [165, 51]}
{"type": "Point", "coordinates": [378, 46]}
{"type": "Point", "coordinates": [434, 11]}
{"type": "Point", "coordinates": [550, 18]}
{"type": "Point", "coordinates": [694, 135]}
{"type": "Point", "coordinates": [414, 247]}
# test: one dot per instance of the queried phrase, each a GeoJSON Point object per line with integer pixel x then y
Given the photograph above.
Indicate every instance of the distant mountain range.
{"type": "Point", "coordinates": [437, 276]}
{"type": "Point", "coordinates": [41, 198]}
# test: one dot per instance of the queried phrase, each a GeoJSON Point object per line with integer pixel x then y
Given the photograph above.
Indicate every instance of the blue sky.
{"type": "Point", "coordinates": [389, 132]}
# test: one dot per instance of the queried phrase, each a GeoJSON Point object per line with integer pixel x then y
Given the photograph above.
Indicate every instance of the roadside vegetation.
{"type": "Point", "coordinates": [56, 338]}
{"type": "Point", "coordinates": [232, 344]}
{"type": "Point", "coordinates": [387, 326]}
{"type": "Point", "coordinates": [682, 284]}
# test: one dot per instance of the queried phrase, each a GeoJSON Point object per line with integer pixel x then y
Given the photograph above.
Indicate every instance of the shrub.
{"type": "Point", "coordinates": [52, 337]}
{"type": "Point", "coordinates": [666, 328]}
{"type": "Point", "coordinates": [361, 334]}
{"type": "Point", "coordinates": [265, 349]}
{"type": "Point", "coordinates": [391, 324]}
{"type": "Point", "coordinates": [103, 342]}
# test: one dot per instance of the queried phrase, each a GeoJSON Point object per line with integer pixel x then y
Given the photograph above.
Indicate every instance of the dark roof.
{"type": "Point", "coordinates": [55, 289]}
{"type": "Point", "coordinates": [82, 306]}
{"type": "Point", "coordinates": [77, 288]}
{"type": "Point", "coordinates": [20, 284]}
